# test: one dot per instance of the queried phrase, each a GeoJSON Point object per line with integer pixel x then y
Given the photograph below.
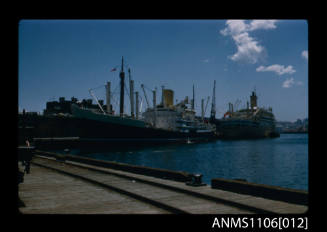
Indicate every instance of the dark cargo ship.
{"type": "Point", "coordinates": [161, 123]}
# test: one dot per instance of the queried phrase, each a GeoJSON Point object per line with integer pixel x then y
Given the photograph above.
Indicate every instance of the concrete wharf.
{"type": "Point", "coordinates": [59, 185]}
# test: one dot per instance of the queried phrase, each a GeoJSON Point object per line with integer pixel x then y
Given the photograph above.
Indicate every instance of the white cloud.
{"type": "Point", "coordinates": [206, 61]}
{"type": "Point", "coordinates": [262, 24]}
{"type": "Point", "coordinates": [279, 69]}
{"type": "Point", "coordinates": [289, 82]}
{"type": "Point", "coordinates": [248, 49]}
{"type": "Point", "coordinates": [234, 27]}
{"type": "Point", "coordinates": [305, 55]}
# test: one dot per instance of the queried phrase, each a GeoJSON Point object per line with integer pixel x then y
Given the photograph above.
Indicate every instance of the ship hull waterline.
{"type": "Point", "coordinates": [77, 132]}
{"type": "Point", "coordinates": [245, 130]}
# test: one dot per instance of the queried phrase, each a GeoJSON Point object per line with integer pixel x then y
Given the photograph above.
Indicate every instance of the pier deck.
{"type": "Point", "coordinates": [75, 188]}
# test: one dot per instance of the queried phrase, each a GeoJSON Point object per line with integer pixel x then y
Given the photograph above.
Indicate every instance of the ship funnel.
{"type": "Point", "coordinates": [253, 100]}
{"type": "Point", "coordinates": [168, 96]}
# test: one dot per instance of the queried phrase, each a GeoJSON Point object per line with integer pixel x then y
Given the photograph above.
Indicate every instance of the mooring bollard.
{"type": "Point", "coordinates": [196, 180]}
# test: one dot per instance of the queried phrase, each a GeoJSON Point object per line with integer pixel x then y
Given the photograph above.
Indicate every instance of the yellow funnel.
{"type": "Point", "coordinates": [168, 97]}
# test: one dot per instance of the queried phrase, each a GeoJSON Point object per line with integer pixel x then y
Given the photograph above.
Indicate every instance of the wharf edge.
{"type": "Point", "coordinates": [162, 194]}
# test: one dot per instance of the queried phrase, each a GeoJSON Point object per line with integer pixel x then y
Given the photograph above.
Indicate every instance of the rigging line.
{"type": "Point", "coordinates": [113, 93]}
{"type": "Point", "coordinates": [115, 103]}
{"type": "Point", "coordinates": [126, 91]}
{"type": "Point", "coordinates": [115, 67]}
{"type": "Point", "coordinates": [147, 88]}
{"type": "Point", "coordinates": [126, 65]}
{"type": "Point", "coordinates": [115, 90]}
{"type": "Point", "coordinates": [138, 82]}
{"type": "Point", "coordinates": [97, 87]}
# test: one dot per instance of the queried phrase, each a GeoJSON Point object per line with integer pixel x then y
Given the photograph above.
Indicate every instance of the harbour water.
{"type": "Point", "coordinates": [279, 162]}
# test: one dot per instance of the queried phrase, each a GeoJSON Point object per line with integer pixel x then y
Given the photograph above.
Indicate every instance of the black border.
{"type": "Point", "coordinates": [314, 13]}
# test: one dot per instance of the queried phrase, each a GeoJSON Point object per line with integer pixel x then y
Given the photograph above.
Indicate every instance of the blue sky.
{"type": "Point", "coordinates": [68, 57]}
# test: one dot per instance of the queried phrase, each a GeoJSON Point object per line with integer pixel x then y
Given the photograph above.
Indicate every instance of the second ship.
{"type": "Point", "coordinates": [250, 123]}
{"type": "Point", "coordinates": [162, 123]}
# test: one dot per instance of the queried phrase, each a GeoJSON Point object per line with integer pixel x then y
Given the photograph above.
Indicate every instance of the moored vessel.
{"type": "Point", "coordinates": [249, 123]}
{"type": "Point", "coordinates": [162, 123]}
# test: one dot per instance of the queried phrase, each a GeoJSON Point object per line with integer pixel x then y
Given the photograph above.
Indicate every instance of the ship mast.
{"type": "Point", "coordinates": [108, 97]}
{"type": "Point", "coordinates": [213, 106]}
{"type": "Point", "coordinates": [193, 99]}
{"type": "Point", "coordinates": [131, 89]}
{"type": "Point", "coordinates": [122, 83]}
{"type": "Point", "coordinates": [137, 104]}
{"type": "Point", "coordinates": [202, 109]}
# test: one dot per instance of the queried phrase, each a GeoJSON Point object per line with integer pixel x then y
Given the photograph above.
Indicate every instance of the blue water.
{"type": "Point", "coordinates": [280, 161]}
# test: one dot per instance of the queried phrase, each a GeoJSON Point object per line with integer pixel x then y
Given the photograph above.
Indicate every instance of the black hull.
{"type": "Point", "coordinates": [75, 132]}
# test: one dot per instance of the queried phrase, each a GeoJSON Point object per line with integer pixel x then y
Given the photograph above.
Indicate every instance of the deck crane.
{"type": "Point", "coordinates": [147, 102]}
{"type": "Point", "coordinates": [205, 109]}
{"type": "Point", "coordinates": [95, 98]}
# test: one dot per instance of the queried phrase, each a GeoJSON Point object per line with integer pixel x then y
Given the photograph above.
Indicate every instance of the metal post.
{"type": "Point", "coordinates": [108, 97]}
{"type": "Point", "coordinates": [122, 84]}
{"type": "Point", "coordinates": [162, 95]}
{"type": "Point", "coordinates": [154, 99]}
{"type": "Point", "coordinates": [137, 104]}
{"type": "Point", "coordinates": [132, 97]}
{"type": "Point", "coordinates": [193, 99]}
{"type": "Point", "coordinates": [154, 106]}
{"type": "Point", "coordinates": [202, 109]}
{"type": "Point", "coordinates": [213, 106]}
